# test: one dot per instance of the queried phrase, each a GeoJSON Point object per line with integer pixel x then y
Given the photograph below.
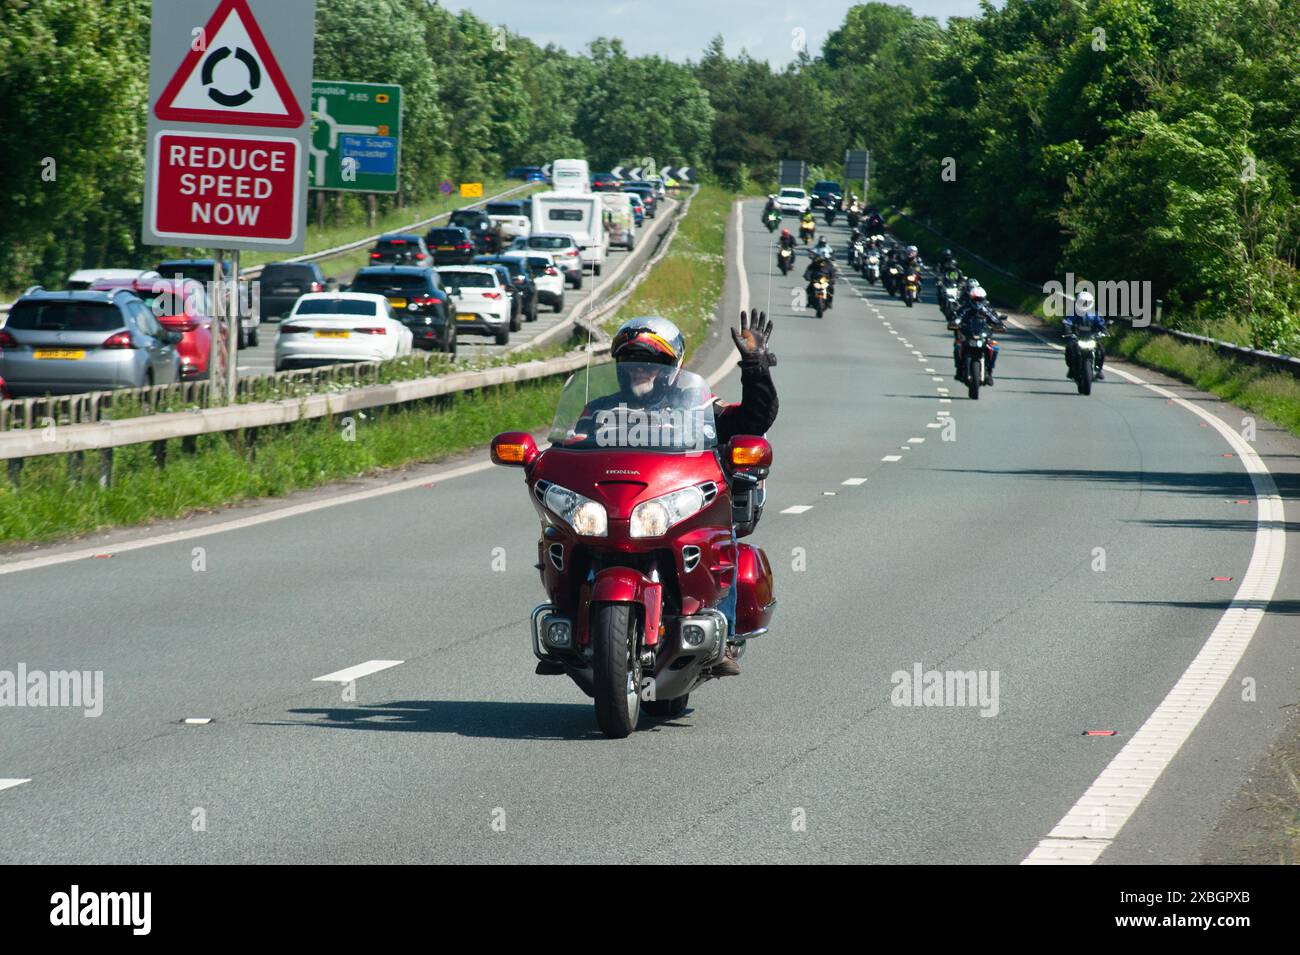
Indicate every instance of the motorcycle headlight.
{"type": "Point", "coordinates": [585, 516]}
{"type": "Point", "coordinates": [873, 260]}
{"type": "Point", "coordinates": [1087, 343]}
{"type": "Point", "coordinates": [652, 518]}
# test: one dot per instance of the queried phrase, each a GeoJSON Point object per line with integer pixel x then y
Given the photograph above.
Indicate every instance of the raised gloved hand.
{"type": "Point", "coordinates": [752, 337]}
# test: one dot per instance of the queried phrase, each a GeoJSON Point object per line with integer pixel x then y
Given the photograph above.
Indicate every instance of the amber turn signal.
{"type": "Point", "coordinates": [746, 456]}
{"type": "Point", "coordinates": [510, 453]}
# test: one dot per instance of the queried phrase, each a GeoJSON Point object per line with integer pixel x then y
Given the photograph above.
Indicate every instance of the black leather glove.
{"type": "Point", "coordinates": [752, 337]}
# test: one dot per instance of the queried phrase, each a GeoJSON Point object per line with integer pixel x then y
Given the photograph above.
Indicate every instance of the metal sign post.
{"type": "Point", "coordinates": [228, 137]}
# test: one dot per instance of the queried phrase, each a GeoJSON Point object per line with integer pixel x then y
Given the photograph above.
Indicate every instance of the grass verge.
{"type": "Point", "coordinates": [687, 282]}
{"type": "Point", "coordinates": [226, 468]}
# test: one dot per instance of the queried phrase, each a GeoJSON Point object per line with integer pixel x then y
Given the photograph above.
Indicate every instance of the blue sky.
{"type": "Point", "coordinates": [679, 29]}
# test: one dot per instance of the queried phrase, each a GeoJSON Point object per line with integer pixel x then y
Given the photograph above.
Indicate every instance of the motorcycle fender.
{"type": "Point", "coordinates": [755, 589]}
{"type": "Point", "coordinates": [624, 585]}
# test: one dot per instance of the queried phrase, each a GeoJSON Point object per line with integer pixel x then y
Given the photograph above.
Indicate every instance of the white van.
{"type": "Point", "coordinates": [570, 175]}
{"type": "Point", "coordinates": [620, 223]}
{"type": "Point", "coordinates": [581, 216]}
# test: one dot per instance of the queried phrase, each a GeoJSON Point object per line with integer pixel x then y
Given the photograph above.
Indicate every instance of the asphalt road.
{"type": "Point", "coordinates": [977, 553]}
{"type": "Point", "coordinates": [261, 359]}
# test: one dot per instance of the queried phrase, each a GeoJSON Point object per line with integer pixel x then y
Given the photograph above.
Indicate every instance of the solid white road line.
{"type": "Point", "coordinates": [854, 482]}
{"type": "Point", "coordinates": [11, 783]}
{"type": "Point", "coordinates": [797, 509]}
{"type": "Point", "coordinates": [357, 672]}
{"type": "Point", "coordinates": [1092, 824]}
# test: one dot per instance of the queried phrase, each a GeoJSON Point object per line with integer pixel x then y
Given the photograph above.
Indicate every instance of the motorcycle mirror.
{"type": "Point", "coordinates": [514, 449]}
{"type": "Point", "coordinates": [749, 451]}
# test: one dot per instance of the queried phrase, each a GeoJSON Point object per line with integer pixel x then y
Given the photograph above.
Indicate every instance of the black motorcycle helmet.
{"type": "Point", "coordinates": [649, 340]}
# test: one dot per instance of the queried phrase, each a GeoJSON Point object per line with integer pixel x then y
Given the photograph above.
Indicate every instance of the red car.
{"type": "Point", "coordinates": [180, 306]}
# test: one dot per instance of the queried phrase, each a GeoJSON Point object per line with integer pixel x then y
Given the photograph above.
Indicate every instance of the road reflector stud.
{"type": "Point", "coordinates": [1100, 733]}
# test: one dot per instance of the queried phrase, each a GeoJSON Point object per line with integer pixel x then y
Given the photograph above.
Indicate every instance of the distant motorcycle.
{"type": "Point", "coordinates": [911, 288]}
{"type": "Point", "coordinates": [871, 267]}
{"type": "Point", "coordinates": [772, 219]}
{"type": "Point", "coordinates": [857, 245]}
{"type": "Point", "coordinates": [893, 278]}
{"type": "Point", "coordinates": [830, 215]}
{"type": "Point", "coordinates": [975, 354]}
{"type": "Point", "coordinates": [821, 295]}
{"type": "Point", "coordinates": [806, 231]}
{"type": "Point", "coordinates": [1085, 352]}
{"type": "Point", "coordinates": [785, 260]}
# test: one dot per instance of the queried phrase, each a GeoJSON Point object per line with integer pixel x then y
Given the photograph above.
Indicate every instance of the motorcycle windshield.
{"type": "Point", "coordinates": [635, 406]}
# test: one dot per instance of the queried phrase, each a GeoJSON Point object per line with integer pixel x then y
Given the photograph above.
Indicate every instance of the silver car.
{"type": "Point", "coordinates": [69, 342]}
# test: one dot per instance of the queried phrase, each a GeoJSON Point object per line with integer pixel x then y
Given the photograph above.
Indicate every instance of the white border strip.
{"type": "Point", "coordinates": [1088, 829]}
{"type": "Point", "coordinates": [357, 672]}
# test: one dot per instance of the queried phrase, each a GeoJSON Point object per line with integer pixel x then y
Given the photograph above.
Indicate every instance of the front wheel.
{"type": "Point", "coordinates": [1085, 365]}
{"type": "Point", "coordinates": [974, 378]}
{"type": "Point", "coordinates": [908, 299]}
{"type": "Point", "coordinates": [616, 667]}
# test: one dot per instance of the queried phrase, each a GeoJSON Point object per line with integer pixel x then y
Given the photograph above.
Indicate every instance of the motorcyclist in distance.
{"type": "Point", "coordinates": [821, 266]}
{"type": "Point", "coordinates": [787, 240]}
{"type": "Point", "coordinates": [976, 307]}
{"type": "Point", "coordinates": [1085, 318]}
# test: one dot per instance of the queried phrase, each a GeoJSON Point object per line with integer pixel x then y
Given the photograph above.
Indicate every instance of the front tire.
{"type": "Point", "coordinates": [616, 669]}
{"type": "Point", "coordinates": [974, 378]}
{"type": "Point", "coordinates": [1085, 364]}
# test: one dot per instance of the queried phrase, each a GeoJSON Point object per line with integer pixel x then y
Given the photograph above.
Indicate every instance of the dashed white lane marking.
{"type": "Point", "coordinates": [936, 378]}
{"type": "Point", "coordinates": [197, 720]}
{"type": "Point", "coordinates": [930, 371]}
{"type": "Point", "coordinates": [892, 457]}
{"type": "Point", "coordinates": [945, 401]}
{"type": "Point", "coordinates": [916, 440]}
{"type": "Point", "coordinates": [1092, 824]}
{"type": "Point", "coordinates": [11, 783]}
{"type": "Point", "coordinates": [935, 424]}
{"type": "Point", "coordinates": [854, 482]}
{"type": "Point", "coordinates": [357, 672]}
{"type": "Point", "coordinates": [916, 353]}
{"type": "Point", "coordinates": [797, 509]}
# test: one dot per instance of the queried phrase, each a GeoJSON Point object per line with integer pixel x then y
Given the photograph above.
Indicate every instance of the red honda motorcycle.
{"type": "Point", "coordinates": [641, 513]}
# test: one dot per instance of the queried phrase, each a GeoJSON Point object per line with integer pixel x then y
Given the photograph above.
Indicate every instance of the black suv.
{"type": "Point", "coordinates": [451, 245]}
{"type": "Point", "coordinates": [201, 270]}
{"type": "Point", "coordinates": [418, 302]}
{"type": "Point", "coordinates": [283, 283]}
{"type": "Point", "coordinates": [826, 193]}
{"type": "Point", "coordinates": [481, 228]}
{"type": "Point", "coordinates": [400, 249]}
{"type": "Point", "coordinates": [521, 280]}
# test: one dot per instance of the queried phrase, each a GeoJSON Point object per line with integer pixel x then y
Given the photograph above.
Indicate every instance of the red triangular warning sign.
{"type": "Point", "coordinates": [234, 80]}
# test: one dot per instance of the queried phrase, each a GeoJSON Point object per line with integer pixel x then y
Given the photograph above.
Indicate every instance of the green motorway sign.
{"type": "Point", "coordinates": [356, 136]}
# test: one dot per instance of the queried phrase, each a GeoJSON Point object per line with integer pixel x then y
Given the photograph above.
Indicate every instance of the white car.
{"type": "Point", "coordinates": [482, 302]}
{"type": "Point", "coordinates": [329, 327]}
{"type": "Point", "coordinates": [546, 276]}
{"type": "Point", "coordinates": [561, 246]}
{"type": "Point", "coordinates": [792, 200]}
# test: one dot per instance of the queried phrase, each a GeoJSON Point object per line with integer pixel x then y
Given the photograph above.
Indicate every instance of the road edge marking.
{"type": "Point", "coordinates": [1095, 820]}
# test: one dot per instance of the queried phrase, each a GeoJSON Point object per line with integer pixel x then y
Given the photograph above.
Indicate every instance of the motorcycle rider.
{"type": "Point", "coordinates": [947, 261]}
{"type": "Point", "coordinates": [1085, 318]}
{"type": "Point", "coordinates": [977, 307]}
{"type": "Point", "coordinates": [655, 341]}
{"type": "Point", "coordinates": [807, 224]}
{"type": "Point", "coordinates": [822, 266]}
{"type": "Point", "coordinates": [786, 241]}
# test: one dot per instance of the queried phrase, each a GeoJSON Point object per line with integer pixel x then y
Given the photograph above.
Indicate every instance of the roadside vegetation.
{"type": "Point", "coordinates": [686, 284]}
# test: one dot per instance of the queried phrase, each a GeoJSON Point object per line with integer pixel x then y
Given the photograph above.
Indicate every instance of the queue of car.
{"type": "Point", "coordinates": [486, 272]}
